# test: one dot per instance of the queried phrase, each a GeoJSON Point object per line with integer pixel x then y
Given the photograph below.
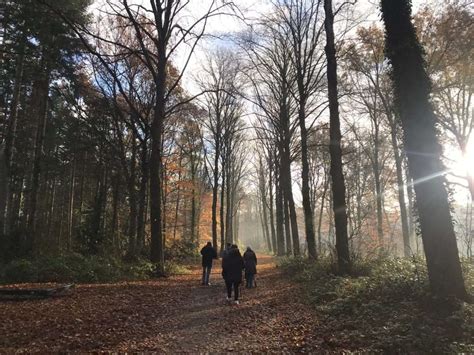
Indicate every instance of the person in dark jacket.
{"type": "Point", "coordinates": [232, 266]}
{"type": "Point", "coordinates": [208, 254]}
{"type": "Point", "coordinates": [226, 250]}
{"type": "Point", "coordinates": [250, 263]}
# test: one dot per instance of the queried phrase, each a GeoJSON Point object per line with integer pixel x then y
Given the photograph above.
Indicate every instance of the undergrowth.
{"type": "Point", "coordinates": [80, 269]}
{"type": "Point", "coordinates": [385, 306]}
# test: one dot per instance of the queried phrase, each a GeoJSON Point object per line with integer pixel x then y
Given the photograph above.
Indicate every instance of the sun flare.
{"type": "Point", "coordinates": [468, 158]}
{"type": "Point", "coordinates": [462, 164]}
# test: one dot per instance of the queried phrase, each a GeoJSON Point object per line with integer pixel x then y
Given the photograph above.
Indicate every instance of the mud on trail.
{"type": "Point", "coordinates": [165, 315]}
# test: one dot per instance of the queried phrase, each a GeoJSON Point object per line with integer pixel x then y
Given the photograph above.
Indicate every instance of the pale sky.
{"type": "Point", "coordinates": [366, 9]}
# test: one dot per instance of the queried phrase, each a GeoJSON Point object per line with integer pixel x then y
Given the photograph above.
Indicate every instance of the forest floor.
{"type": "Point", "coordinates": [177, 314]}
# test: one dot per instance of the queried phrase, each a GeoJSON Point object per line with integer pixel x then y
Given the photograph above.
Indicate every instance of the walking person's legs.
{"type": "Point", "coordinates": [250, 280]}
{"type": "Point", "coordinates": [236, 290]}
{"type": "Point", "coordinates": [228, 285]}
{"type": "Point", "coordinates": [203, 275]}
{"type": "Point", "coordinates": [208, 274]}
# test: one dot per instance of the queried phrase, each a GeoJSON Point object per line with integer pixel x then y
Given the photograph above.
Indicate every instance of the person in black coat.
{"type": "Point", "coordinates": [208, 254]}
{"type": "Point", "coordinates": [232, 266]}
{"type": "Point", "coordinates": [250, 263]}
{"type": "Point", "coordinates": [226, 249]}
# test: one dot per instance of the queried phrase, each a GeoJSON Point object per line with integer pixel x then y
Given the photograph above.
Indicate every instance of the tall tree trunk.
{"type": "Point", "coordinates": [178, 196]}
{"type": "Point", "coordinates": [231, 217]}
{"type": "Point", "coordinates": [401, 192]}
{"type": "Point", "coordinates": [15, 204]}
{"type": "Point", "coordinates": [98, 211]}
{"type": "Point", "coordinates": [4, 182]}
{"type": "Point", "coordinates": [193, 204]}
{"type": "Point", "coordinates": [81, 188]}
{"type": "Point", "coordinates": [305, 190]}
{"type": "Point", "coordinates": [157, 240]}
{"type": "Point", "coordinates": [288, 240]}
{"type": "Point", "coordinates": [132, 200]}
{"type": "Point", "coordinates": [279, 213]}
{"type": "Point", "coordinates": [337, 176]}
{"type": "Point", "coordinates": [236, 224]}
{"type": "Point", "coordinates": [321, 211]}
{"type": "Point", "coordinates": [228, 202]}
{"type": "Point", "coordinates": [105, 190]}
{"type": "Point", "coordinates": [215, 191]}
{"type": "Point", "coordinates": [10, 135]}
{"type": "Point", "coordinates": [62, 217]}
{"type": "Point", "coordinates": [164, 200]}
{"type": "Point", "coordinates": [50, 215]}
{"type": "Point", "coordinates": [349, 217]}
{"type": "Point", "coordinates": [294, 226]}
{"type": "Point", "coordinates": [266, 230]}
{"type": "Point", "coordinates": [378, 187]}
{"type": "Point", "coordinates": [270, 208]}
{"type": "Point", "coordinates": [115, 203]}
{"type": "Point", "coordinates": [330, 212]}
{"type": "Point", "coordinates": [262, 223]}
{"type": "Point", "coordinates": [286, 182]}
{"type": "Point", "coordinates": [412, 90]}
{"type": "Point", "coordinates": [70, 216]}
{"type": "Point", "coordinates": [142, 200]}
{"type": "Point", "coordinates": [39, 107]}
{"type": "Point", "coordinates": [263, 195]}
{"type": "Point", "coordinates": [222, 220]}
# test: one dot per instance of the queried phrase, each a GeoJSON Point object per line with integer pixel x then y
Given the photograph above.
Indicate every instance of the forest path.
{"type": "Point", "coordinates": [176, 314]}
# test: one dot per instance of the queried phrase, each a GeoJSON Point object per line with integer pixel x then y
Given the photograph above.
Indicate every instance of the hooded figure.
{"type": "Point", "coordinates": [226, 250]}
{"type": "Point", "coordinates": [232, 265]}
{"type": "Point", "coordinates": [208, 254]}
{"type": "Point", "coordinates": [250, 263]}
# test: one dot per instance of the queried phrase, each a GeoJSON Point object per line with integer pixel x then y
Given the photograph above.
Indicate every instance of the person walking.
{"type": "Point", "coordinates": [208, 255]}
{"type": "Point", "coordinates": [232, 266]}
{"type": "Point", "coordinates": [250, 263]}
{"type": "Point", "coordinates": [226, 250]}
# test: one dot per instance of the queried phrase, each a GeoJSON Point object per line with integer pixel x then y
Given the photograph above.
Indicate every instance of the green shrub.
{"type": "Point", "coordinates": [103, 269]}
{"type": "Point", "coordinates": [181, 249]}
{"type": "Point", "coordinates": [386, 305]}
{"type": "Point", "coordinates": [139, 270]}
{"type": "Point", "coordinates": [53, 269]}
{"type": "Point", "coordinates": [78, 268]}
{"type": "Point", "coordinates": [18, 271]}
{"type": "Point", "coordinates": [172, 268]}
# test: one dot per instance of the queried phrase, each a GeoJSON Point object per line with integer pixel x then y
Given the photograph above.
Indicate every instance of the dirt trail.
{"type": "Point", "coordinates": [167, 315]}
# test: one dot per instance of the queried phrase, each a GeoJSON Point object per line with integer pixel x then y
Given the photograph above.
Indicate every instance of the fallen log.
{"type": "Point", "coordinates": [34, 293]}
